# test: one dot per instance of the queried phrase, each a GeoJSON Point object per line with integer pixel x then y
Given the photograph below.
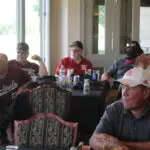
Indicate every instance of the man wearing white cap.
{"type": "Point", "coordinates": [128, 120]}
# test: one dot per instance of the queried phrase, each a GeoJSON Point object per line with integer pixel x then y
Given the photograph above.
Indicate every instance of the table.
{"type": "Point", "coordinates": [3, 148]}
{"type": "Point", "coordinates": [87, 109]}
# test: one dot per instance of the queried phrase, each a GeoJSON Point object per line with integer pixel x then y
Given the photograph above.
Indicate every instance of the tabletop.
{"type": "Point", "coordinates": [4, 148]}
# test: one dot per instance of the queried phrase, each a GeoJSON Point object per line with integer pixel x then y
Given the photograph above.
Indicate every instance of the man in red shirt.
{"type": "Point", "coordinates": [76, 61]}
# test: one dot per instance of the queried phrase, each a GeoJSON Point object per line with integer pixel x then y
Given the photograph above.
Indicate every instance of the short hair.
{"type": "Point", "coordinates": [3, 56]}
{"type": "Point", "coordinates": [23, 46]}
{"type": "Point", "coordinates": [77, 43]}
{"type": "Point", "coordinates": [133, 52]}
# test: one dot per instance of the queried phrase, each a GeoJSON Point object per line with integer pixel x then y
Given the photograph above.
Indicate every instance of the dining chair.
{"type": "Point", "coordinates": [45, 130]}
{"type": "Point", "coordinates": [43, 99]}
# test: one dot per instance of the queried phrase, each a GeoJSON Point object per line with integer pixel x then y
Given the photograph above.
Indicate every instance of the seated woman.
{"type": "Point", "coordinates": [22, 62]}
{"type": "Point", "coordinates": [75, 61]}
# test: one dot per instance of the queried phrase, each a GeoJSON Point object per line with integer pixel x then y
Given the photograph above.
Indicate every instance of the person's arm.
{"type": "Point", "coordinates": [42, 67]}
{"type": "Point", "coordinates": [90, 66]}
{"type": "Point", "coordinates": [102, 141]}
{"type": "Point", "coordinates": [105, 125]}
{"type": "Point", "coordinates": [136, 145]}
{"type": "Point", "coordinates": [112, 70]}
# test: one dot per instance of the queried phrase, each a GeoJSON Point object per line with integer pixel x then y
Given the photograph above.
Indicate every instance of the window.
{"type": "Point", "coordinates": [8, 35]}
{"type": "Point", "coordinates": [32, 26]}
{"type": "Point", "coordinates": [144, 25]}
{"type": "Point", "coordinates": [25, 21]}
{"type": "Point", "coordinates": [99, 27]}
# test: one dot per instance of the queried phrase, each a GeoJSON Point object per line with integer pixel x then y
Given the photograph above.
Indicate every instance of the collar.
{"type": "Point", "coordinates": [144, 113]}
{"type": "Point", "coordinates": [80, 61]}
{"type": "Point", "coordinates": [129, 61]}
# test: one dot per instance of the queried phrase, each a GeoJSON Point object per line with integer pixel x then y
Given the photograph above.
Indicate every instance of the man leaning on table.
{"type": "Point", "coordinates": [76, 61]}
{"type": "Point", "coordinates": [128, 120]}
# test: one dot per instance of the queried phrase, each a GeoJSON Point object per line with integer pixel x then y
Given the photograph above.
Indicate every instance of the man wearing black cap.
{"type": "Point", "coordinates": [119, 67]}
{"type": "Point", "coordinates": [76, 61]}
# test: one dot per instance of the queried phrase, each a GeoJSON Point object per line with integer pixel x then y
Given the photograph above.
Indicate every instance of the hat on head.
{"type": "Point", "coordinates": [136, 76]}
{"type": "Point", "coordinates": [77, 43]}
{"type": "Point", "coordinates": [133, 52]}
{"type": "Point", "coordinates": [133, 43]}
{"type": "Point", "coordinates": [23, 46]}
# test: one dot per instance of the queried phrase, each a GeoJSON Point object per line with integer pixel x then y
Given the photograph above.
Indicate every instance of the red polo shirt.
{"type": "Point", "coordinates": [79, 69]}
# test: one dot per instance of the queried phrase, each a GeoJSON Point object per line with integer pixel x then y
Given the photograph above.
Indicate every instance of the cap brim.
{"type": "Point", "coordinates": [128, 82]}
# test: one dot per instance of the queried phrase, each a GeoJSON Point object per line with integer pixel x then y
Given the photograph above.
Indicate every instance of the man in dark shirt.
{"type": "Point", "coordinates": [120, 66]}
{"type": "Point", "coordinates": [129, 119]}
{"type": "Point", "coordinates": [31, 68]}
{"type": "Point", "coordinates": [11, 78]}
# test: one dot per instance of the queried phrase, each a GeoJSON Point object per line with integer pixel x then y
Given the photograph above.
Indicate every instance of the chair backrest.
{"type": "Point", "coordinates": [45, 130]}
{"type": "Point", "coordinates": [48, 99]}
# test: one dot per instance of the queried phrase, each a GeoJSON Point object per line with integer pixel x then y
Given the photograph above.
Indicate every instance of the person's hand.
{"type": "Point", "coordinates": [103, 141]}
{"type": "Point", "coordinates": [36, 57]}
{"type": "Point", "coordinates": [105, 76]}
{"type": "Point", "coordinates": [120, 148]}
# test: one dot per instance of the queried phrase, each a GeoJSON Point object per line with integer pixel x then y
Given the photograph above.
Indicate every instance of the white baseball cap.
{"type": "Point", "coordinates": [136, 76]}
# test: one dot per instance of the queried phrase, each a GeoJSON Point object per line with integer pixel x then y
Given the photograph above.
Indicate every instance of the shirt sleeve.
{"type": "Point", "coordinates": [113, 69]}
{"type": "Point", "coordinates": [106, 124]}
{"type": "Point", "coordinates": [90, 66]}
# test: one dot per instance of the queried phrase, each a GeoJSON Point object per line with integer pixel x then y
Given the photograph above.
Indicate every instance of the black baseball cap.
{"type": "Point", "coordinates": [134, 51]}
{"type": "Point", "coordinates": [132, 43]}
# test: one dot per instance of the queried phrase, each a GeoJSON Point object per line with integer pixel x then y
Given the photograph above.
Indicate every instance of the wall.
{"type": "Point", "coordinates": [66, 26]}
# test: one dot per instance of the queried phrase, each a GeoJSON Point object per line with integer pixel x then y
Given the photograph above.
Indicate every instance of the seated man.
{"type": "Point", "coordinates": [119, 67]}
{"type": "Point", "coordinates": [24, 64]}
{"type": "Point", "coordinates": [128, 119]}
{"type": "Point", "coordinates": [11, 78]}
{"type": "Point", "coordinates": [76, 61]}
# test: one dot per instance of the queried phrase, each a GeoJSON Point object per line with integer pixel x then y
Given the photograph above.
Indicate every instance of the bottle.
{"type": "Point", "coordinates": [62, 71]}
{"type": "Point", "coordinates": [62, 76]}
{"type": "Point", "coordinates": [94, 75]}
{"type": "Point", "coordinates": [69, 80]}
{"type": "Point", "coordinates": [86, 86]}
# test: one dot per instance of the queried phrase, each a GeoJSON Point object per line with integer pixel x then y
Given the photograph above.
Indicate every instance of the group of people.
{"type": "Point", "coordinates": [15, 74]}
{"type": "Point", "coordinates": [126, 120]}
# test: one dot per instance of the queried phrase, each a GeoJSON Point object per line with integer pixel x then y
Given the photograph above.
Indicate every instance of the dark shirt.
{"type": "Point", "coordinates": [119, 67]}
{"type": "Point", "coordinates": [31, 68]}
{"type": "Point", "coordinates": [14, 79]}
{"type": "Point", "coordinates": [121, 124]}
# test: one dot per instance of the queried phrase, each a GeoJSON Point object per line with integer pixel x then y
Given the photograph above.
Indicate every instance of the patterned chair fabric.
{"type": "Point", "coordinates": [45, 130]}
{"type": "Point", "coordinates": [48, 99]}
